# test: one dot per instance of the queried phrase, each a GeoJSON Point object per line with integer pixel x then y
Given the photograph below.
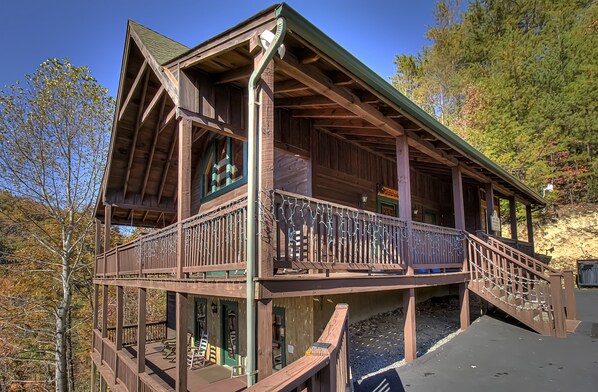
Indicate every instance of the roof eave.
{"type": "Point", "coordinates": [302, 27]}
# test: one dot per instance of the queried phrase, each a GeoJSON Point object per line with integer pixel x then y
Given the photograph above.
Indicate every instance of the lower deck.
{"type": "Point", "coordinates": [160, 372]}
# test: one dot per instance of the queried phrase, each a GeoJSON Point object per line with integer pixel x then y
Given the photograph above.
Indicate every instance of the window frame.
{"type": "Point", "coordinates": [212, 150]}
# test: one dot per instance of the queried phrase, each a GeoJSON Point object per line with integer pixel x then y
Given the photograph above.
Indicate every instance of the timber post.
{"type": "Point", "coordinates": [141, 334]}
{"type": "Point", "coordinates": [107, 228]}
{"type": "Point", "coordinates": [489, 207]}
{"type": "Point", "coordinates": [409, 330]}
{"type": "Point", "coordinates": [530, 225]}
{"type": "Point", "coordinates": [118, 340]}
{"type": "Point", "coordinates": [404, 190]}
{"type": "Point", "coordinates": [265, 226]}
{"type": "Point", "coordinates": [183, 212]}
{"type": "Point", "coordinates": [570, 304]}
{"type": "Point", "coordinates": [104, 320]}
{"type": "Point", "coordinates": [513, 217]}
{"type": "Point", "coordinates": [98, 245]}
{"type": "Point", "coordinates": [556, 292]}
{"type": "Point", "coordinates": [459, 206]}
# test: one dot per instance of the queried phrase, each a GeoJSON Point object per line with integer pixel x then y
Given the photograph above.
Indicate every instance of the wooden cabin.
{"type": "Point", "coordinates": [342, 190]}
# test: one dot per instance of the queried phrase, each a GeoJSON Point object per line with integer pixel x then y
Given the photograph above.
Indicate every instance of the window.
{"type": "Point", "coordinates": [225, 167]}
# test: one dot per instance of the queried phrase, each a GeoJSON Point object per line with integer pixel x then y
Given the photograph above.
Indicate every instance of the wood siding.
{"type": "Point", "coordinates": [343, 171]}
{"type": "Point", "coordinates": [292, 174]}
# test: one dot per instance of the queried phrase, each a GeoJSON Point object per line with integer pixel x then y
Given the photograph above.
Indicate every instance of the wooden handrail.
{"type": "Point", "coordinates": [522, 256]}
{"type": "Point", "coordinates": [482, 243]}
{"type": "Point", "coordinates": [324, 367]}
{"type": "Point", "coordinates": [529, 295]}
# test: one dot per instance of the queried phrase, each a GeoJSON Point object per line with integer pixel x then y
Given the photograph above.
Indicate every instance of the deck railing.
{"type": "Point", "coordinates": [436, 246]}
{"type": "Point", "coordinates": [122, 367]}
{"type": "Point", "coordinates": [154, 332]}
{"type": "Point", "coordinates": [305, 233]}
{"type": "Point", "coordinates": [312, 233]}
{"type": "Point", "coordinates": [325, 366]}
{"type": "Point", "coordinates": [215, 241]}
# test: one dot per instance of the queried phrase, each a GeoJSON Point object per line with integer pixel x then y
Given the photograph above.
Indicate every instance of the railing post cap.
{"type": "Point", "coordinates": [342, 306]}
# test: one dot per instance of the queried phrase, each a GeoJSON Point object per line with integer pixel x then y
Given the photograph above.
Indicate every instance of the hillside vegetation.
{"type": "Point", "coordinates": [519, 81]}
{"type": "Point", "coordinates": [568, 233]}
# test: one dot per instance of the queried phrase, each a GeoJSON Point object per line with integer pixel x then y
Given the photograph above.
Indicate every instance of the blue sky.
{"type": "Point", "coordinates": [92, 32]}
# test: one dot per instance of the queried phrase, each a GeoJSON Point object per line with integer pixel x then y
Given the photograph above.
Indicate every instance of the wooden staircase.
{"type": "Point", "coordinates": [521, 286]}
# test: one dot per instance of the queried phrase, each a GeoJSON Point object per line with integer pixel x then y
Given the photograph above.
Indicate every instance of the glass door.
{"type": "Point", "coordinates": [201, 317]}
{"type": "Point", "coordinates": [278, 339]}
{"type": "Point", "coordinates": [230, 326]}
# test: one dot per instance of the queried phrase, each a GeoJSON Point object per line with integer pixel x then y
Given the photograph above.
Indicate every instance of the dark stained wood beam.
{"type": "Point", "coordinates": [211, 124]}
{"type": "Point", "coordinates": [340, 78]}
{"type": "Point", "coordinates": [170, 208]}
{"type": "Point", "coordinates": [164, 76]}
{"type": "Point", "coordinates": [132, 90]}
{"type": "Point", "coordinates": [150, 159]}
{"type": "Point", "coordinates": [150, 107]}
{"type": "Point", "coordinates": [168, 119]}
{"type": "Point", "coordinates": [317, 81]}
{"type": "Point", "coordinates": [167, 166]}
{"type": "Point", "coordinates": [355, 132]}
{"type": "Point", "coordinates": [233, 75]}
{"type": "Point", "coordinates": [323, 113]}
{"type": "Point", "coordinates": [223, 43]}
{"type": "Point", "coordinates": [135, 135]}
{"type": "Point", "coordinates": [310, 59]}
{"type": "Point", "coordinates": [359, 145]}
{"type": "Point", "coordinates": [343, 123]}
{"type": "Point", "coordinates": [289, 86]}
{"type": "Point", "coordinates": [303, 102]}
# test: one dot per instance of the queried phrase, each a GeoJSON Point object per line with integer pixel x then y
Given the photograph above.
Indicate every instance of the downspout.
{"type": "Point", "coordinates": [252, 197]}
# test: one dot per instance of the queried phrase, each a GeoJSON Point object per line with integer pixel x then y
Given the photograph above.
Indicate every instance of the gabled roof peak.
{"type": "Point", "coordinates": [160, 47]}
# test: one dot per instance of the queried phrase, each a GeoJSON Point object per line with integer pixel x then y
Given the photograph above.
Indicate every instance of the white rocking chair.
{"type": "Point", "coordinates": [196, 357]}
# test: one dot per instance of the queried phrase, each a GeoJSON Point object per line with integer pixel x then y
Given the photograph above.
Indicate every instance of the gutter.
{"type": "Point", "coordinates": [252, 196]}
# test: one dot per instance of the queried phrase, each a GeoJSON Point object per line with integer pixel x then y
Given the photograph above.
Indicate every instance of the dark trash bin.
{"type": "Point", "coordinates": [587, 273]}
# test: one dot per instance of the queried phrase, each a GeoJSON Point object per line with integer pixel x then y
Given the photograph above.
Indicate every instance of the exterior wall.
{"type": "Point", "coordinates": [292, 174]}
{"type": "Point", "coordinates": [298, 325]}
{"type": "Point", "coordinates": [342, 172]}
{"type": "Point", "coordinates": [215, 326]}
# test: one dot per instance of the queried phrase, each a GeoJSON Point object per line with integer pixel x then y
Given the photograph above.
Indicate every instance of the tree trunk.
{"type": "Point", "coordinates": [69, 352]}
{"type": "Point", "coordinates": [62, 313]}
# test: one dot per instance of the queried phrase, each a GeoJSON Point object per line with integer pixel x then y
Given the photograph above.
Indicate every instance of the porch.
{"type": "Point", "coordinates": [159, 372]}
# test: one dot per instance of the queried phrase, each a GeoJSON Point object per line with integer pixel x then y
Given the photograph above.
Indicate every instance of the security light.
{"type": "Point", "coordinates": [266, 38]}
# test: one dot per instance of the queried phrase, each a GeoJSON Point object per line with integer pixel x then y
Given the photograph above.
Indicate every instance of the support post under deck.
{"type": "Point", "coordinates": [409, 331]}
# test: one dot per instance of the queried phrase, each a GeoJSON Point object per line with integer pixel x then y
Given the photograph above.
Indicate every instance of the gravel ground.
{"type": "Point", "coordinates": [377, 343]}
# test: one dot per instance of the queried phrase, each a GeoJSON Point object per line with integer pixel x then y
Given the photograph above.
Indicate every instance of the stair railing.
{"type": "Point", "coordinates": [518, 289]}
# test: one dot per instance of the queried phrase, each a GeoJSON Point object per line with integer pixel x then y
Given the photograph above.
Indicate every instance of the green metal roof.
{"type": "Point", "coordinates": [302, 27]}
{"type": "Point", "coordinates": [161, 48]}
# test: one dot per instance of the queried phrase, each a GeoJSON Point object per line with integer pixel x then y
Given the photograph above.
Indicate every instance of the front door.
{"type": "Point", "coordinates": [201, 317]}
{"type": "Point", "coordinates": [278, 339]}
{"type": "Point", "coordinates": [230, 326]}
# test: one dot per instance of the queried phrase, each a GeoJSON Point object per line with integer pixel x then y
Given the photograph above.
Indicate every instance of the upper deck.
{"type": "Point", "coordinates": [315, 245]}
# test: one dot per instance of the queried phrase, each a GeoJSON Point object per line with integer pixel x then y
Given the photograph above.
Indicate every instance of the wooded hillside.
{"type": "Point", "coordinates": [519, 81]}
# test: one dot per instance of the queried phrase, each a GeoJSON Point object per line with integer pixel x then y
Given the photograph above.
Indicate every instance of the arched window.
{"type": "Point", "coordinates": [225, 166]}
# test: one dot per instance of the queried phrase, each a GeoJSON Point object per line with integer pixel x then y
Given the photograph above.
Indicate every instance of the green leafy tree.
{"type": "Point", "coordinates": [518, 80]}
{"type": "Point", "coordinates": [53, 139]}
